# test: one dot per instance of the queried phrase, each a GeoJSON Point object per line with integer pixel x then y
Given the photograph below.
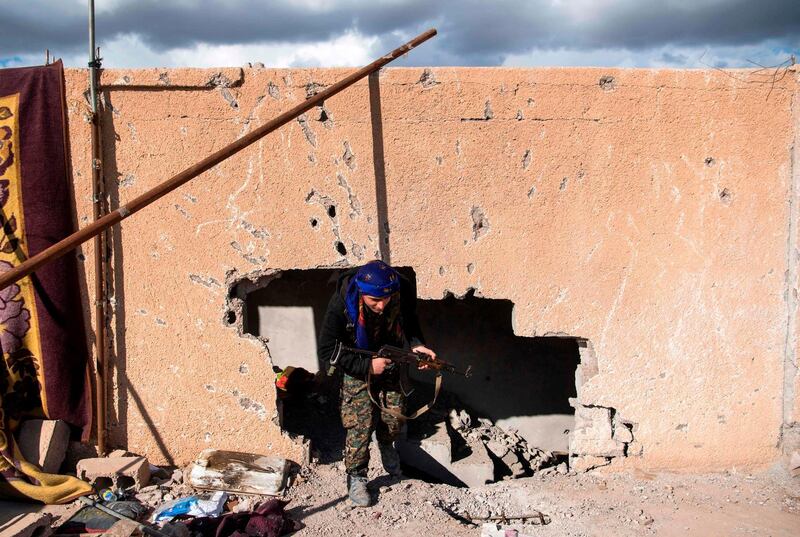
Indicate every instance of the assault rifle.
{"type": "Point", "coordinates": [402, 356]}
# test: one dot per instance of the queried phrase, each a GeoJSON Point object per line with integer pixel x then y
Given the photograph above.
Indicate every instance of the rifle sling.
{"type": "Point", "coordinates": [400, 415]}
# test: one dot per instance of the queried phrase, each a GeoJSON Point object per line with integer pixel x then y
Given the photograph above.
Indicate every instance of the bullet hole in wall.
{"type": "Point", "coordinates": [314, 222]}
{"type": "Point", "coordinates": [341, 248]}
{"type": "Point", "coordinates": [332, 211]}
{"type": "Point", "coordinates": [607, 83]}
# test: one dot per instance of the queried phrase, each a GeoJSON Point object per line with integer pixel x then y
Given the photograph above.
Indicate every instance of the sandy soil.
{"type": "Point", "coordinates": [617, 504]}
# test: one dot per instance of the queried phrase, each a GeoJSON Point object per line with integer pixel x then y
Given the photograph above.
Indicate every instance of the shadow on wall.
{"type": "Point", "coordinates": [119, 416]}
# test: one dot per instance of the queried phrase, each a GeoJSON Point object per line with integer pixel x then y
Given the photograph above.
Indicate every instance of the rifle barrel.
{"type": "Point", "coordinates": [98, 226]}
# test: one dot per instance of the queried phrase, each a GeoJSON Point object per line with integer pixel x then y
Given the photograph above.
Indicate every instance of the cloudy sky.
{"type": "Point", "coordinates": [281, 33]}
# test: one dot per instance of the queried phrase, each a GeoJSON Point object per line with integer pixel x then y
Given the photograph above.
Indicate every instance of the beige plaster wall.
{"type": "Point", "coordinates": [654, 214]}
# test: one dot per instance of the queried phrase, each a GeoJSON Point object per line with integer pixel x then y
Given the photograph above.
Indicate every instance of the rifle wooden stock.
{"type": "Point", "coordinates": [76, 239]}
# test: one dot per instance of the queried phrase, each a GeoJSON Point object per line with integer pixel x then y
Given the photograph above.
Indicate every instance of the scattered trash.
{"type": "Point", "coordinates": [99, 518]}
{"type": "Point", "coordinates": [127, 509]}
{"type": "Point", "coordinates": [268, 520]}
{"type": "Point", "coordinates": [191, 506]}
{"type": "Point", "coordinates": [239, 472]}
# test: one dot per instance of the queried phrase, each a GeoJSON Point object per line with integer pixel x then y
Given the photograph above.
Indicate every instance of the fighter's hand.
{"type": "Point", "coordinates": [378, 365]}
{"type": "Point", "coordinates": [424, 350]}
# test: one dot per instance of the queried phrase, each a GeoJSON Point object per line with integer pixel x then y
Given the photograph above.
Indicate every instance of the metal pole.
{"type": "Point", "coordinates": [98, 196]}
{"type": "Point", "coordinates": [92, 230]}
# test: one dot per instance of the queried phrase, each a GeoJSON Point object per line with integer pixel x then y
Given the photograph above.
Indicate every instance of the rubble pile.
{"type": "Point", "coordinates": [512, 453]}
{"type": "Point", "coordinates": [454, 448]}
{"type": "Point", "coordinates": [223, 493]}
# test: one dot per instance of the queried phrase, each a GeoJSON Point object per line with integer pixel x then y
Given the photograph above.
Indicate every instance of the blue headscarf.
{"type": "Point", "coordinates": [376, 279]}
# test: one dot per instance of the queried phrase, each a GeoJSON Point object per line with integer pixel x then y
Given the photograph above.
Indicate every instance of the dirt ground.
{"type": "Point", "coordinates": [594, 504]}
{"type": "Point", "coordinates": [598, 503]}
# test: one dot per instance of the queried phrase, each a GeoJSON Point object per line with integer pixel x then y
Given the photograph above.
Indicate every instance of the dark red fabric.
{"type": "Point", "coordinates": [48, 214]}
{"type": "Point", "coordinates": [268, 520]}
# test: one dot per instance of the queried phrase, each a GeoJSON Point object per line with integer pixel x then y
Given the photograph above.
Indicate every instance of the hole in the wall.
{"type": "Point", "coordinates": [230, 317]}
{"type": "Point", "coordinates": [340, 247]}
{"type": "Point", "coordinates": [332, 211]}
{"type": "Point", "coordinates": [518, 382]}
{"type": "Point", "coordinates": [521, 383]}
{"type": "Point", "coordinates": [314, 222]}
{"type": "Point", "coordinates": [288, 311]}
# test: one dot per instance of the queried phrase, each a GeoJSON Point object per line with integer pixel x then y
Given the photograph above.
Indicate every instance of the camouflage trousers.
{"type": "Point", "coordinates": [360, 417]}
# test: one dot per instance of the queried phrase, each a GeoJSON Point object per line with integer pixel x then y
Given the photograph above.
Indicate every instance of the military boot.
{"type": "Point", "coordinates": [391, 460]}
{"type": "Point", "coordinates": [357, 490]}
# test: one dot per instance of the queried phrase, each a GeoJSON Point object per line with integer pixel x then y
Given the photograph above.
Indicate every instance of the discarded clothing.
{"type": "Point", "coordinates": [268, 520]}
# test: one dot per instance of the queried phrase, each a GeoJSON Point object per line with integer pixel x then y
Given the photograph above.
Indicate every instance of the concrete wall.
{"type": "Point", "coordinates": [651, 212]}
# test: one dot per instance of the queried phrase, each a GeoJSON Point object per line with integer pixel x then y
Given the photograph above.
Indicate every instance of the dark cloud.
{"type": "Point", "coordinates": [674, 59]}
{"type": "Point", "coordinates": [166, 25]}
{"type": "Point", "coordinates": [514, 26]}
{"type": "Point", "coordinates": [472, 32]}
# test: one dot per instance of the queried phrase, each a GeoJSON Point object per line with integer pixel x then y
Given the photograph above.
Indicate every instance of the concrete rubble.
{"type": "Point", "coordinates": [463, 451]}
{"type": "Point", "coordinates": [434, 455]}
{"type": "Point", "coordinates": [44, 443]}
{"type": "Point", "coordinates": [117, 472]}
{"type": "Point", "coordinates": [599, 436]}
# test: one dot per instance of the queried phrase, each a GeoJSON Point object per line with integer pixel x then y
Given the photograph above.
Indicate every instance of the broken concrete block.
{"type": "Point", "coordinates": [496, 448]}
{"type": "Point", "coordinates": [511, 459]}
{"type": "Point", "coordinates": [44, 443]}
{"type": "Point", "coordinates": [587, 462]}
{"type": "Point", "coordinates": [238, 472]}
{"type": "Point", "coordinates": [459, 419]}
{"type": "Point", "coordinates": [477, 469]}
{"type": "Point", "coordinates": [635, 449]}
{"type": "Point", "coordinates": [622, 433]}
{"type": "Point", "coordinates": [593, 434]}
{"type": "Point", "coordinates": [433, 455]}
{"type": "Point", "coordinates": [28, 525]}
{"type": "Point", "coordinates": [123, 472]}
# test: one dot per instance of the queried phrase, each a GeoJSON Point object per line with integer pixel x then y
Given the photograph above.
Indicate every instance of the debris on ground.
{"type": "Point", "coordinates": [191, 506]}
{"type": "Point", "coordinates": [239, 472]}
{"type": "Point", "coordinates": [116, 472]}
{"type": "Point", "coordinates": [44, 443]}
{"type": "Point", "coordinates": [548, 503]}
{"type": "Point", "coordinates": [453, 447]}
